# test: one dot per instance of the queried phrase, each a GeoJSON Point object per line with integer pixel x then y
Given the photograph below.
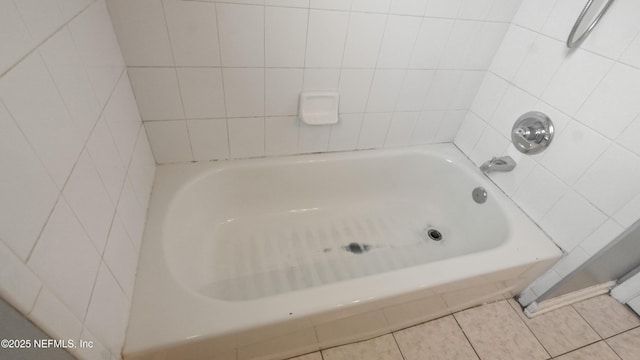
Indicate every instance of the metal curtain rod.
{"type": "Point", "coordinates": [571, 42]}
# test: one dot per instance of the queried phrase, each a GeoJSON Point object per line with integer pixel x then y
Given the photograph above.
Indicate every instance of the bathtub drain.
{"type": "Point", "coordinates": [434, 234]}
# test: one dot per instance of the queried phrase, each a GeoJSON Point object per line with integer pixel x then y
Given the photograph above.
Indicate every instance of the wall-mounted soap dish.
{"type": "Point", "coordinates": [319, 107]}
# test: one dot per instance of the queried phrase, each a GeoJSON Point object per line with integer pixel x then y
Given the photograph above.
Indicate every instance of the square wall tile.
{"type": "Point", "coordinates": [108, 312]}
{"type": "Point", "coordinates": [28, 194]}
{"type": "Point", "coordinates": [209, 139]}
{"type": "Point", "coordinates": [241, 34]}
{"type": "Point", "coordinates": [281, 135]}
{"type": "Point", "coordinates": [374, 130]}
{"type": "Point", "coordinates": [533, 14]}
{"type": "Point", "coordinates": [427, 127]}
{"type": "Point", "coordinates": [95, 215]}
{"type": "Point", "coordinates": [32, 98]}
{"type": "Point", "coordinates": [489, 96]}
{"type": "Point", "coordinates": [62, 58]}
{"type": "Point", "coordinates": [104, 153]}
{"type": "Point", "coordinates": [331, 4]}
{"type": "Point", "coordinates": [612, 181]}
{"type": "Point", "coordinates": [401, 129]}
{"type": "Point", "coordinates": [443, 90]}
{"type": "Point", "coordinates": [443, 8]}
{"type": "Point", "coordinates": [461, 41]}
{"type": "Point", "coordinates": [202, 92]}
{"type": "Point", "coordinates": [543, 59]}
{"type": "Point", "coordinates": [285, 36]}
{"type": "Point", "coordinates": [512, 52]}
{"type": "Point", "coordinates": [121, 256]}
{"type": "Point", "coordinates": [193, 30]}
{"type": "Point", "coordinates": [246, 137]}
{"type": "Point", "coordinates": [142, 31]}
{"type": "Point", "coordinates": [313, 138]}
{"type": "Point", "coordinates": [364, 38]}
{"type": "Point", "coordinates": [14, 36]}
{"type": "Point", "coordinates": [414, 90]}
{"type": "Point", "coordinates": [398, 40]}
{"type": "Point", "coordinates": [142, 168]}
{"type": "Point", "coordinates": [123, 118]}
{"type": "Point", "coordinates": [470, 132]}
{"type": "Point", "coordinates": [52, 316]}
{"type": "Point", "coordinates": [18, 285]}
{"type": "Point", "coordinates": [470, 82]}
{"type": "Point", "coordinates": [66, 260]}
{"type": "Point", "coordinates": [408, 7]}
{"type": "Point", "coordinates": [576, 78]}
{"type": "Point", "coordinates": [484, 44]}
{"type": "Point", "coordinates": [42, 18]}
{"type": "Point", "coordinates": [326, 36]}
{"type": "Point", "coordinates": [450, 126]}
{"type": "Point", "coordinates": [169, 141]}
{"type": "Point", "coordinates": [321, 79]}
{"type": "Point", "coordinates": [354, 90]}
{"type": "Point", "coordinates": [577, 145]}
{"type": "Point", "coordinates": [157, 93]}
{"type": "Point", "coordinates": [344, 134]}
{"type": "Point", "coordinates": [385, 89]}
{"type": "Point", "coordinates": [613, 104]}
{"type": "Point", "coordinates": [378, 6]}
{"type": "Point", "coordinates": [93, 33]}
{"type": "Point", "coordinates": [244, 91]}
{"type": "Point", "coordinates": [571, 220]}
{"type": "Point", "coordinates": [283, 87]}
{"type": "Point", "coordinates": [430, 43]}
{"type": "Point", "coordinates": [539, 193]}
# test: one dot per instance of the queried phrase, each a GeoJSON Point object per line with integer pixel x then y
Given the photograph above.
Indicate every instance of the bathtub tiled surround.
{"type": "Point", "coordinates": [76, 172]}
{"type": "Point", "coordinates": [221, 79]}
{"type": "Point", "coordinates": [501, 331]}
{"type": "Point", "coordinates": [585, 189]}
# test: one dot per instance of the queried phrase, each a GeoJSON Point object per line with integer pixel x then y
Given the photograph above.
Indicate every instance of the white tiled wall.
{"type": "Point", "coordinates": [221, 79]}
{"type": "Point", "coordinates": [76, 172]}
{"type": "Point", "coordinates": [585, 189]}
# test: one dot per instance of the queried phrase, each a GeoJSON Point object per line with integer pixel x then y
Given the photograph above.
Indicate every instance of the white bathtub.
{"type": "Point", "coordinates": [272, 258]}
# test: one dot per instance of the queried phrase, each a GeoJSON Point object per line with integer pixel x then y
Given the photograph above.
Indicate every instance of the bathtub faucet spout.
{"type": "Point", "coordinates": [504, 163]}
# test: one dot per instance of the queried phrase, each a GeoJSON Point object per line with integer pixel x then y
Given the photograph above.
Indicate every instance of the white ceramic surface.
{"type": "Point", "coordinates": [233, 248]}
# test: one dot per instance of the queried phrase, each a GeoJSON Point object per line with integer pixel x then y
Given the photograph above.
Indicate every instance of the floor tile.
{"type": "Point", "coordinates": [606, 315]}
{"type": "Point", "coordinates": [561, 330]}
{"type": "Point", "coordinates": [380, 348]}
{"type": "Point", "coordinates": [496, 332]}
{"type": "Point", "coordinates": [435, 340]}
{"type": "Point", "coordinates": [313, 356]}
{"type": "Point", "coordinates": [627, 344]}
{"type": "Point", "coordinates": [597, 351]}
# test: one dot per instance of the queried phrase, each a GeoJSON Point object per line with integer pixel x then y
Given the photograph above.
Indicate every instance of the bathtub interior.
{"type": "Point", "coordinates": [266, 229]}
{"type": "Point", "coordinates": [174, 317]}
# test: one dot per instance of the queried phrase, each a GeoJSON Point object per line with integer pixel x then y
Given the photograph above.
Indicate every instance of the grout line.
{"type": "Point", "coordinates": [224, 95]}
{"type": "Point", "coordinates": [465, 335]}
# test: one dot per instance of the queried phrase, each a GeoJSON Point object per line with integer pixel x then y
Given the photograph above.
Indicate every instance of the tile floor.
{"type": "Point", "coordinates": [599, 328]}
